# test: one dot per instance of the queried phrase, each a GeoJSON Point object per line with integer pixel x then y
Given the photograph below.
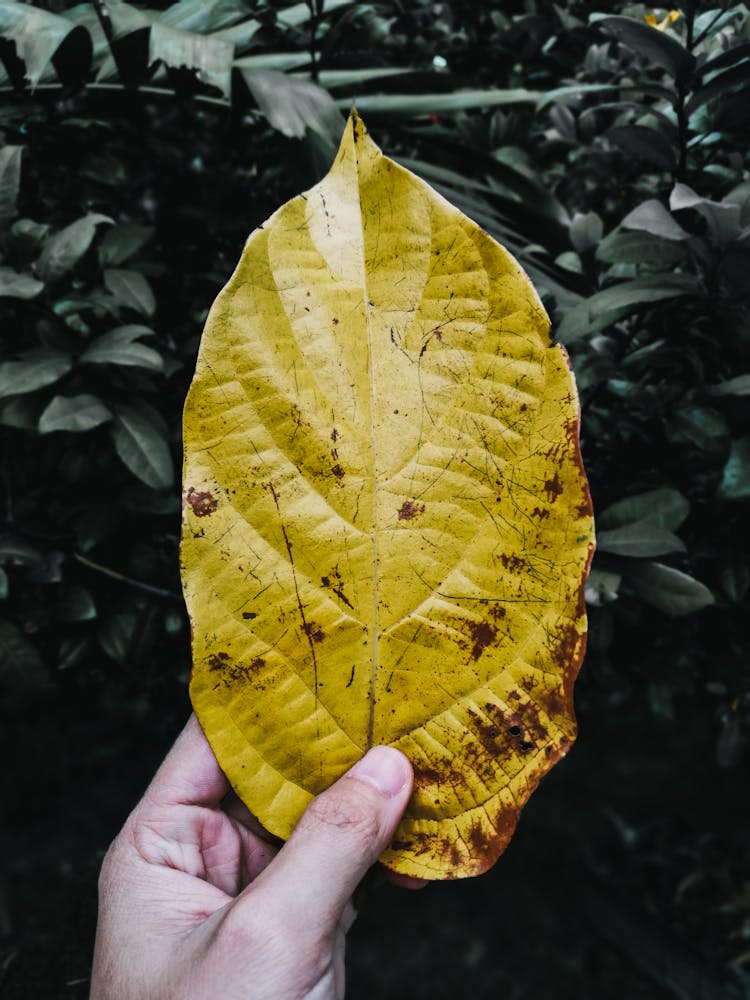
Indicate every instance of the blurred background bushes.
{"type": "Point", "coordinates": [608, 151]}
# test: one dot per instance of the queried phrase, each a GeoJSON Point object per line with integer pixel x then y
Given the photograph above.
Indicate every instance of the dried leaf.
{"type": "Point", "coordinates": [386, 522]}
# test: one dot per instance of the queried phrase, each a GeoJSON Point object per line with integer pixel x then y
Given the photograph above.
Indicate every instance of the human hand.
{"type": "Point", "coordinates": [197, 901]}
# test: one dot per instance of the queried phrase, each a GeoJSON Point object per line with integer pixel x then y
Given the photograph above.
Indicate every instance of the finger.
{"type": "Point", "coordinates": [190, 774]}
{"type": "Point", "coordinates": [234, 807]}
{"type": "Point", "coordinates": [406, 881]}
{"type": "Point", "coordinates": [256, 856]}
{"type": "Point", "coordinates": [341, 834]}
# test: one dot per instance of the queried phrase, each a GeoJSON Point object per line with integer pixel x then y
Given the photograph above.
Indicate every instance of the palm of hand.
{"type": "Point", "coordinates": [187, 860]}
{"type": "Point", "coordinates": [197, 902]}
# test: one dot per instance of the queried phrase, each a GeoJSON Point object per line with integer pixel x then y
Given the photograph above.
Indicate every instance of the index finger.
{"type": "Point", "coordinates": [190, 774]}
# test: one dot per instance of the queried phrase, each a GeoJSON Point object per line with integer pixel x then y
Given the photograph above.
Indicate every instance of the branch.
{"type": "Point", "coordinates": [119, 88]}
{"type": "Point", "coordinates": [114, 575]}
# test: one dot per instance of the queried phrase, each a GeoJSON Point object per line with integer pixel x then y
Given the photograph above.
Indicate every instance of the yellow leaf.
{"type": "Point", "coordinates": [386, 520]}
{"type": "Point", "coordinates": [669, 18]}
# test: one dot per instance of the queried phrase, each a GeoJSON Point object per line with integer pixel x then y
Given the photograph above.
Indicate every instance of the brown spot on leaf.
{"type": "Point", "coordinates": [479, 839]}
{"type": "Point", "coordinates": [524, 724]}
{"type": "Point", "coordinates": [202, 504]}
{"type": "Point", "coordinates": [482, 634]}
{"type": "Point", "coordinates": [233, 673]}
{"type": "Point", "coordinates": [554, 704]}
{"type": "Point", "coordinates": [217, 661]}
{"type": "Point", "coordinates": [402, 845]}
{"type": "Point", "coordinates": [296, 415]}
{"type": "Point", "coordinates": [540, 512]}
{"type": "Point", "coordinates": [449, 848]}
{"type": "Point", "coordinates": [249, 615]}
{"type": "Point", "coordinates": [409, 510]}
{"type": "Point", "coordinates": [338, 472]}
{"type": "Point", "coordinates": [567, 642]}
{"type": "Point", "coordinates": [426, 774]}
{"type": "Point", "coordinates": [512, 562]}
{"type": "Point", "coordinates": [488, 734]}
{"type": "Point", "coordinates": [334, 435]}
{"type": "Point", "coordinates": [313, 631]}
{"type": "Point", "coordinates": [336, 585]}
{"type": "Point", "coordinates": [553, 488]}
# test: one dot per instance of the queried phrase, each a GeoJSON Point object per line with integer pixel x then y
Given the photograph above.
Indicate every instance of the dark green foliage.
{"type": "Point", "coordinates": [611, 157]}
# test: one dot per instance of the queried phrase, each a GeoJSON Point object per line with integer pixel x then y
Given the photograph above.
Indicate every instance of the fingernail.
{"type": "Point", "coordinates": [383, 767]}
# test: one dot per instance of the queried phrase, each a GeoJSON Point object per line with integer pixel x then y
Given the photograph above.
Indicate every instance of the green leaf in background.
{"type": "Point", "coordinates": [22, 412]}
{"type": "Point", "coordinates": [36, 369]}
{"type": "Point", "coordinates": [16, 551]}
{"type": "Point", "coordinates": [131, 291]}
{"type": "Point", "coordinates": [21, 665]}
{"type": "Point", "coordinates": [49, 570]}
{"type": "Point", "coordinates": [719, 85]}
{"type": "Point", "coordinates": [4, 585]}
{"type": "Point", "coordinates": [722, 219]}
{"type": "Point", "coordinates": [14, 285]}
{"type": "Point", "coordinates": [619, 300]}
{"type": "Point", "coordinates": [660, 48]}
{"type": "Point", "coordinates": [737, 386]}
{"type": "Point", "coordinates": [72, 650]}
{"type": "Point", "coordinates": [585, 231]}
{"type": "Point", "coordinates": [639, 539]}
{"type": "Point", "coordinates": [28, 233]}
{"type": "Point", "coordinates": [699, 427]}
{"type": "Point", "coordinates": [74, 604]}
{"type": "Point", "coordinates": [602, 587]}
{"type": "Point", "coordinates": [74, 413]}
{"type": "Point", "coordinates": [40, 37]}
{"type": "Point", "coordinates": [140, 443]}
{"type": "Point", "coordinates": [291, 105]}
{"type": "Point", "coordinates": [10, 179]}
{"type": "Point", "coordinates": [735, 581]}
{"type": "Point", "coordinates": [645, 144]}
{"type": "Point", "coordinates": [668, 589]}
{"type": "Point", "coordinates": [208, 57]}
{"type": "Point", "coordinates": [119, 347]}
{"type": "Point", "coordinates": [735, 481]}
{"type": "Point", "coordinates": [63, 250]}
{"type": "Point", "coordinates": [123, 241]}
{"type": "Point", "coordinates": [115, 634]}
{"type": "Point", "coordinates": [663, 508]}
{"type": "Point", "coordinates": [639, 248]}
{"type": "Point", "coordinates": [411, 105]}
{"type": "Point", "coordinates": [652, 217]}
{"type": "Point", "coordinates": [676, 966]}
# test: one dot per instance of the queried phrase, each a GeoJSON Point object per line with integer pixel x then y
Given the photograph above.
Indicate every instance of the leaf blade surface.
{"type": "Point", "coordinates": [386, 523]}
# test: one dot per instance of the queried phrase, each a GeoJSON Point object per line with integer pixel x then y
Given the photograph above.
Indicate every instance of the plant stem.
{"type": "Point", "coordinates": [114, 575]}
{"type": "Point", "coordinates": [106, 22]}
{"type": "Point", "coordinates": [9, 516]}
{"type": "Point", "coordinates": [316, 10]}
{"type": "Point", "coordinates": [682, 90]}
{"type": "Point", "coordinates": [119, 88]}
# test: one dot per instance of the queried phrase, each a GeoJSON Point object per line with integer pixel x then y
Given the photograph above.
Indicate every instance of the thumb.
{"type": "Point", "coordinates": [341, 834]}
